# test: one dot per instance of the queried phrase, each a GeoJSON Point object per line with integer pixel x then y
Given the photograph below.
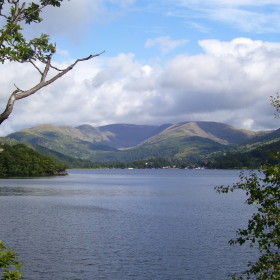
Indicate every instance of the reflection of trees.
{"type": "Point", "coordinates": [27, 191]}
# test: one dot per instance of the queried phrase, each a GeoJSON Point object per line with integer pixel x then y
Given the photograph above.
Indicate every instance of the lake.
{"type": "Point", "coordinates": [125, 224]}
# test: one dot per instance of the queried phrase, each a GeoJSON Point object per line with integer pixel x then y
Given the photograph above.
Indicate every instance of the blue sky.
{"type": "Point", "coordinates": [127, 28]}
{"type": "Point", "coordinates": [165, 61]}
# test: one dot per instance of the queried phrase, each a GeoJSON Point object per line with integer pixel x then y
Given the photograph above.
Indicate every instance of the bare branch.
{"type": "Point", "coordinates": [35, 66]}
{"type": "Point", "coordinates": [18, 89]}
{"type": "Point", "coordinates": [9, 107]}
{"type": "Point", "coordinates": [4, 16]}
{"type": "Point", "coordinates": [46, 70]}
{"type": "Point", "coordinates": [20, 94]}
{"type": "Point", "coordinates": [18, 10]}
{"type": "Point", "coordinates": [1, 7]}
{"type": "Point", "coordinates": [13, 1]}
{"type": "Point", "coordinates": [55, 68]}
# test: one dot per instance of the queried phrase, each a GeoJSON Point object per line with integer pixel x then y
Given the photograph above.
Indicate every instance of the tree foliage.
{"type": "Point", "coordinates": [19, 160]}
{"type": "Point", "coordinates": [275, 102]}
{"type": "Point", "coordinates": [263, 229]}
{"type": "Point", "coordinates": [250, 160]}
{"type": "Point", "coordinates": [15, 47]}
{"type": "Point", "coordinates": [9, 264]}
{"type": "Point", "coordinates": [16, 16]}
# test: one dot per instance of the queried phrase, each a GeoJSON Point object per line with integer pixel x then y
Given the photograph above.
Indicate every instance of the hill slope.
{"type": "Point", "coordinates": [122, 135]}
{"type": "Point", "coordinates": [20, 160]}
{"type": "Point", "coordinates": [253, 159]}
{"type": "Point", "coordinates": [217, 132]}
{"type": "Point", "coordinates": [126, 142]}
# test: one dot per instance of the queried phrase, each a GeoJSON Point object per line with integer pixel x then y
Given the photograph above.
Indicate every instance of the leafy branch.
{"type": "Point", "coordinates": [15, 47]}
{"type": "Point", "coordinates": [9, 264]}
{"type": "Point", "coordinates": [263, 229]}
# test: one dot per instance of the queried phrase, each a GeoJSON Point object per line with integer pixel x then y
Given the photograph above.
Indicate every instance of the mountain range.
{"type": "Point", "coordinates": [128, 142]}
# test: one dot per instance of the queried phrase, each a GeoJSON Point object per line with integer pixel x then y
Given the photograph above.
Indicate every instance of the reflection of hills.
{"type": "Point", "coordinates": [35, 191]}
{"type": "Point", "coordinates": [23, 191]}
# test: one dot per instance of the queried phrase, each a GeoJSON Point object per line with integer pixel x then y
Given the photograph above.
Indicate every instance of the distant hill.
{"type": "Point", "coordinates": [261, 139]}
{"type": "Point", "coordinates": [121, 135]}
{"type": "Point", "coordinates": [127, 142]}
{"type": "Point", "coordinates": [217, 132]}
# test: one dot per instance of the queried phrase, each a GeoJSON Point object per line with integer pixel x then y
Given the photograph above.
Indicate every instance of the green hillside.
{"type": "Point", "coordinates": [217, 132]}
{"type": "Point", "coordinates": [65, 140]}
{"type": "Point", "coordinates": [189, 141]}
{"type": "Point", "coordinates": [260, 140]}
{"type": "Point", "coordinates": [183, 148]}
{"type": "Point", "coordinates": [255, 158]}
{"type": "Point", "coordinates": [19, 160]}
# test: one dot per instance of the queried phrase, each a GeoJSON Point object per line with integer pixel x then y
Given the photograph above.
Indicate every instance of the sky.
{"type": "Point", "coordinates": [165, 61]}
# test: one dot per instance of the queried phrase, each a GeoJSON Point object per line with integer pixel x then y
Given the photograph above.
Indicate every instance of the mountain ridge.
{"type": "Point", "coordinates": [121, 142]}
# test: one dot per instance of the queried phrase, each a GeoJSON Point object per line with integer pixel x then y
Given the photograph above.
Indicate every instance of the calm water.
{"type": "Point", "coordinates": [124, 224]}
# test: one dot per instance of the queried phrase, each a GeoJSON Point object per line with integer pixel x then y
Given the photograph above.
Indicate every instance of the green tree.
{"type": "Point", "coordinates": [17, 15]}
{"type": "Point", "coordinates": [263, 230]}
{"type": "Point", "coordinates": [275, 101]}
{"type": "Point", "coordinates": [14, 46]}
{"type": "Point", "coordinates": [19, 160]}
{"type": "Point", "coordinates": [9, 264]}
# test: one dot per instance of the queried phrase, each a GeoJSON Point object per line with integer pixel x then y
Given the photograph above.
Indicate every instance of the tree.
{"type": "Point", "coordinates": [263, 228]}
{"type": "Point", "coordinates": [263, 190]}
{"type": "Point", "coordinates": [38, 51]}
{"type": "Point", "coordinates": [275, 102]}
{"type": "Point", "coordinates": [9, 264]}
{"type": "Point", "coordinates": [20, 160]}
{"type": "Point", "coordinates": [15, 47]}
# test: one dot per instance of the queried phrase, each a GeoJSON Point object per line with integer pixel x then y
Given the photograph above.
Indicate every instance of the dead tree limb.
{"type": "Point", "coordinates": [20, 94]}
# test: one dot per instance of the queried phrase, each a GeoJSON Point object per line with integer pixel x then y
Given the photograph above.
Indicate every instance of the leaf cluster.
{"type": "Point", "coordinates": [263, 230]}
{"type": "Point", "coordinates": [14, 46]}
{"type": "Point", "coordinates": [275, 102]}
{"type": "Point", "coordinates": [9, 264]}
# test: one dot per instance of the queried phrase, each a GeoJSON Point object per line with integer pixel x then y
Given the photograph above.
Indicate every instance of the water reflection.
{"type": "Point", "coordinates": [98, 191]}
{"type": "Point", "coordinates": [138, 225]}
{"type": "Point", "coordinates": [21, 191]}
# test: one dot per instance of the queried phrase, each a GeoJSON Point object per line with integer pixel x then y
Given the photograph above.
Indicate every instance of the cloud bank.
{"type": "Point", "coordinates": [228, 82]}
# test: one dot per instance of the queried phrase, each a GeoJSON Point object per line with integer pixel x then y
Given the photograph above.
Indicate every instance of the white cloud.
{"type": "Point", "coordinates": [166, 44]}
{"type": "Point", "coordinates": [230, 77]}
{"type": "Point", "coordinates": [247, 15]}
{"type": "Point", "coordinates": [229, 82]}
{"type": "Point", "coordinates": [199, 27]}
{"type": "Point", "coordinates": [147, 70]}
{"type": "Point", "coordinates": [72, 20]}
{"type": "Point", "coordinates": [226, 3]}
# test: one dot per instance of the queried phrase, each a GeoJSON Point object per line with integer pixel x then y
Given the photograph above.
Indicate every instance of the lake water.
{"type": "Point", "coordinates": [125, 224]}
